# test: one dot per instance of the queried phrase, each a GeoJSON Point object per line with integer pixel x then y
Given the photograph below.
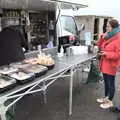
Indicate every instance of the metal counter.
{"type": "Point", "coordinates": [62, 65]}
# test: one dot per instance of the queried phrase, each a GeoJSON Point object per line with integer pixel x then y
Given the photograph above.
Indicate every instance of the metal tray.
{"type": "Point", "coordinates": [22, 76]}
{"type": "Point", "coordinates": [50, 66]}
{"type": "Point", "coordinates": [6, 83]}
{"type": "Point", "coordinates": [20, 65]}
{"type": "Point", "coordinates": [38, 70]}
{"type": "Point", "coordinates": [7, 70]}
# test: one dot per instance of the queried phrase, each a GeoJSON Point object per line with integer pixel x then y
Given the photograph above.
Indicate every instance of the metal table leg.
{"type": "Point", "coordinates": [44, 92]}
{"type": "Point", "coordinates": [3, 115]}
{"type": "Point", "coordinates": [70, 91]}
{"type": "Point", "coordinates": [3, 109]}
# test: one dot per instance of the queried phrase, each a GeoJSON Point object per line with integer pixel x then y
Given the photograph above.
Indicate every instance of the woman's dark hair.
{"type": "Point", "coordinates": [114, 23]}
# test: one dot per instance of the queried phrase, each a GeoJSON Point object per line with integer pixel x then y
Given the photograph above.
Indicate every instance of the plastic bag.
{"type": "Point", "coordinates": [94, 75]}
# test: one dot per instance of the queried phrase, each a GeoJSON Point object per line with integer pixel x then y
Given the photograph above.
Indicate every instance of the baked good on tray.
{"type": "Point", "coordinates": [45, 60]}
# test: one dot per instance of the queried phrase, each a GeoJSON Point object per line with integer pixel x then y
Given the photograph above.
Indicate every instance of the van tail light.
{"type": "Point", "coordinates": [72, 38]}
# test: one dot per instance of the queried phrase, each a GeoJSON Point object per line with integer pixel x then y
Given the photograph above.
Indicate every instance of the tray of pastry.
{"type": "Point", "coordinates": [50, 66]}
{"type": "Point", "coordinates": [46, 61]}
{"type": "Point", "coordinates": [7, 69]}
{"type": "Point", "coordinates": [38, 70]}
{"type": "Point", "coordinates": [6, 83]}
{"type": "Point", "coordinates": [22, 76]}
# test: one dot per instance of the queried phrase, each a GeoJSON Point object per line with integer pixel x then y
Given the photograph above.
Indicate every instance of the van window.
{"type": "Point", "coordinates": [68, 24]}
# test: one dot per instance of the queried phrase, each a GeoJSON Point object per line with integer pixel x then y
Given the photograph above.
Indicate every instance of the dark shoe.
{"type": "Point", "coordinates": [115, 109]}
{"type": "Point", "coordinates": [118, 118]}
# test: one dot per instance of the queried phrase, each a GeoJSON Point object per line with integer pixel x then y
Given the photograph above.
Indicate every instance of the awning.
{"type": "Point", "coordinates": [39, 4]}
{"type": "Point", "coordinates": [68, 5]}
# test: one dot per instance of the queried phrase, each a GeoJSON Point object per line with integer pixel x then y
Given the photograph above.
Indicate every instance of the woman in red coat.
{"type": "Point", "coordinates": [109, 45]}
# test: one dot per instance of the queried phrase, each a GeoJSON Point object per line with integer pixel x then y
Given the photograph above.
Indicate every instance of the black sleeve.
{"type": "Point", "coordinates": [23, 41]}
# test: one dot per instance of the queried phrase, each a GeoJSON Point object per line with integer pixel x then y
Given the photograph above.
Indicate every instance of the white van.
{"type": "Point", "coordinates": [50, 24]}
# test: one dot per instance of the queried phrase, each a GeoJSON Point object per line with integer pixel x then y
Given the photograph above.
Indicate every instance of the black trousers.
{"type": "Point", "coordinates": [109, 81]}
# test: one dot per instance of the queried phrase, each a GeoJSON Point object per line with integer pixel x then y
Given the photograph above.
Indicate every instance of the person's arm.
{"type": "Point", "coordinates": [23, 41]}
{"type": "Point", "coordinates": [113, 55]}
{"type": "Point", "coordinates": [100, 41]}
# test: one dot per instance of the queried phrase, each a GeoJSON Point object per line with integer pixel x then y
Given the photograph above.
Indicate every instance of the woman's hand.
{"type": "Point", "coordinates": [95, 41]}
{"type": "Point", "coordinates": [102, 53]}
{"type": "Point", "coordinates": [105, 34]}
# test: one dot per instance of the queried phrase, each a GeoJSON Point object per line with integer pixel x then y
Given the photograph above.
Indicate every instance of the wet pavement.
{"type": "Point", "coordinates": [85, 106]}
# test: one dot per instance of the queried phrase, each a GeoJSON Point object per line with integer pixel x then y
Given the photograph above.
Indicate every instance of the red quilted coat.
{"type": "Point", "coordinates": [110, 62]}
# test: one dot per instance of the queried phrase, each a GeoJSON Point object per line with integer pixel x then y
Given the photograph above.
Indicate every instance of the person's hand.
{"type": "Point", "coordinates": [105, 34]}
{"type": "Point", "coordinates": [94, 42]}
{"type": "Point", "coordinates": [102, 53]}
